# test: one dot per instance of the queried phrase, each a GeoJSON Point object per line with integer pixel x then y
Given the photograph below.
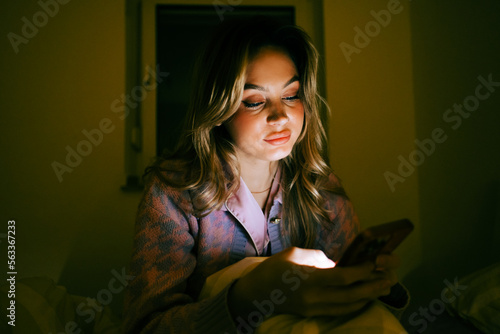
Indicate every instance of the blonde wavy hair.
{"type": "Point", "coordinates": [205, 155]}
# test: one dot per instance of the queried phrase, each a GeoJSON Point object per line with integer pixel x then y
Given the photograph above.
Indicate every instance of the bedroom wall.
{"type": "Point", "coordinates": [455, 50]}
{"type": "Point", "coordinates": [390, 91]}
{"type": "Point", "coordinates": [370, 92]}
{"type": "Point", "coordinates": [58, 81]}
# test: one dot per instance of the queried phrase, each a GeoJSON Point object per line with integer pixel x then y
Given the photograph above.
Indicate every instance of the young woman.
{"type": "Point", "coordinates": [249, 179]}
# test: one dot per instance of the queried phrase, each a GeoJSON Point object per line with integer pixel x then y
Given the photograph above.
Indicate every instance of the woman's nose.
{"type": "Point", "coordinates": [277, 115]}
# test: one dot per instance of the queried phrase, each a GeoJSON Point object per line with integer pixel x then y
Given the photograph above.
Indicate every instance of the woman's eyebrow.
{"type": "Point", "coordinates": [252, 86]}
{"type": "Point", "coordinates": [292, 80]}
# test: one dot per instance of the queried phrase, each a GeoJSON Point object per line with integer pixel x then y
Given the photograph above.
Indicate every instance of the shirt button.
{"type": "Point", "coordinates": [276, 221]}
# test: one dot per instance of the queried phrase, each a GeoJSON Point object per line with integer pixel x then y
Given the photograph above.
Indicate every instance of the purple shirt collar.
{"type": "Point", "coordinates": [246, 210]}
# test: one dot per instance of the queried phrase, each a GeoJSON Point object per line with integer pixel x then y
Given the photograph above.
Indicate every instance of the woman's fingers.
{"type": "Point", "coordinates": [388, 264]}
{"type": "Point", "coordinates": [341, 276]}
{"type": "Point", "coordinates": [308, 257]}
{"type": "Point", "coordinates": [355, 292]}
{"type": "Point", "coordinates": [312, 285]}
{"type": "Point", "coordinates": [387, 261]}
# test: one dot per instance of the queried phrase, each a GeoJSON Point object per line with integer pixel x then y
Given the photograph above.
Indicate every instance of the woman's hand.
{"type": "Point", "coordinates": [305, 282]}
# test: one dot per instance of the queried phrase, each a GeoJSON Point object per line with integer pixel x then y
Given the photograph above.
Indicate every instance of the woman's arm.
{"type": "Point", "coordinates": [158, 299]}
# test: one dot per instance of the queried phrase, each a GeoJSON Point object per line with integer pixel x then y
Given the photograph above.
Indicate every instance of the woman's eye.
{"type": "Point", "coordinates": [252, 105]}
{"type": "Point", "coordinates": [291, 98]}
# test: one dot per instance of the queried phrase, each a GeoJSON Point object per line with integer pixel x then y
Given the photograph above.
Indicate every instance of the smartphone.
{"type": "Point", "coordinates": [375, 240]}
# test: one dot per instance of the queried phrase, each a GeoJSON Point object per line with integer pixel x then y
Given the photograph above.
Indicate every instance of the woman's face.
{"type": "Point", "coordinates": [271, 115]}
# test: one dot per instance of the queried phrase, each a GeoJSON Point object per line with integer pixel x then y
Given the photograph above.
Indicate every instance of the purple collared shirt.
{"type": "Point", "coordinates": [245, 208]}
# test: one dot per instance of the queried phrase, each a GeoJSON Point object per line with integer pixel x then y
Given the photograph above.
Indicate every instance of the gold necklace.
{"type": "Point", "coordinates": [260, 192]}
{"type": "Point", "coordinates": [263, 191]}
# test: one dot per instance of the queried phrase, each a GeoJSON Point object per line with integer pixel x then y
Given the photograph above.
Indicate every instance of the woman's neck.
{"type": "Point", "coordinates": [259, 176]}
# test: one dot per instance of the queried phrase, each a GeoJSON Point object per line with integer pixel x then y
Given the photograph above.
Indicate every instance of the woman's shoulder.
{"type": "Point", "coordinates": [336, 199]}
{"type": "Point", "coordinates": [333, 185]}
{"type": "Point", "coordinates": [168, 172]}
{"type": "Point", "coordinates": [343, 220]}
{"type": "Point", "coordinates": [165, 184]}
{"type": "Point", "coordinates": [334, 180]}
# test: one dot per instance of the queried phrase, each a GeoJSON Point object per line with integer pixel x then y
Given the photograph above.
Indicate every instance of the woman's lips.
{"type": "Point", "coordinates": [278, 138]}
